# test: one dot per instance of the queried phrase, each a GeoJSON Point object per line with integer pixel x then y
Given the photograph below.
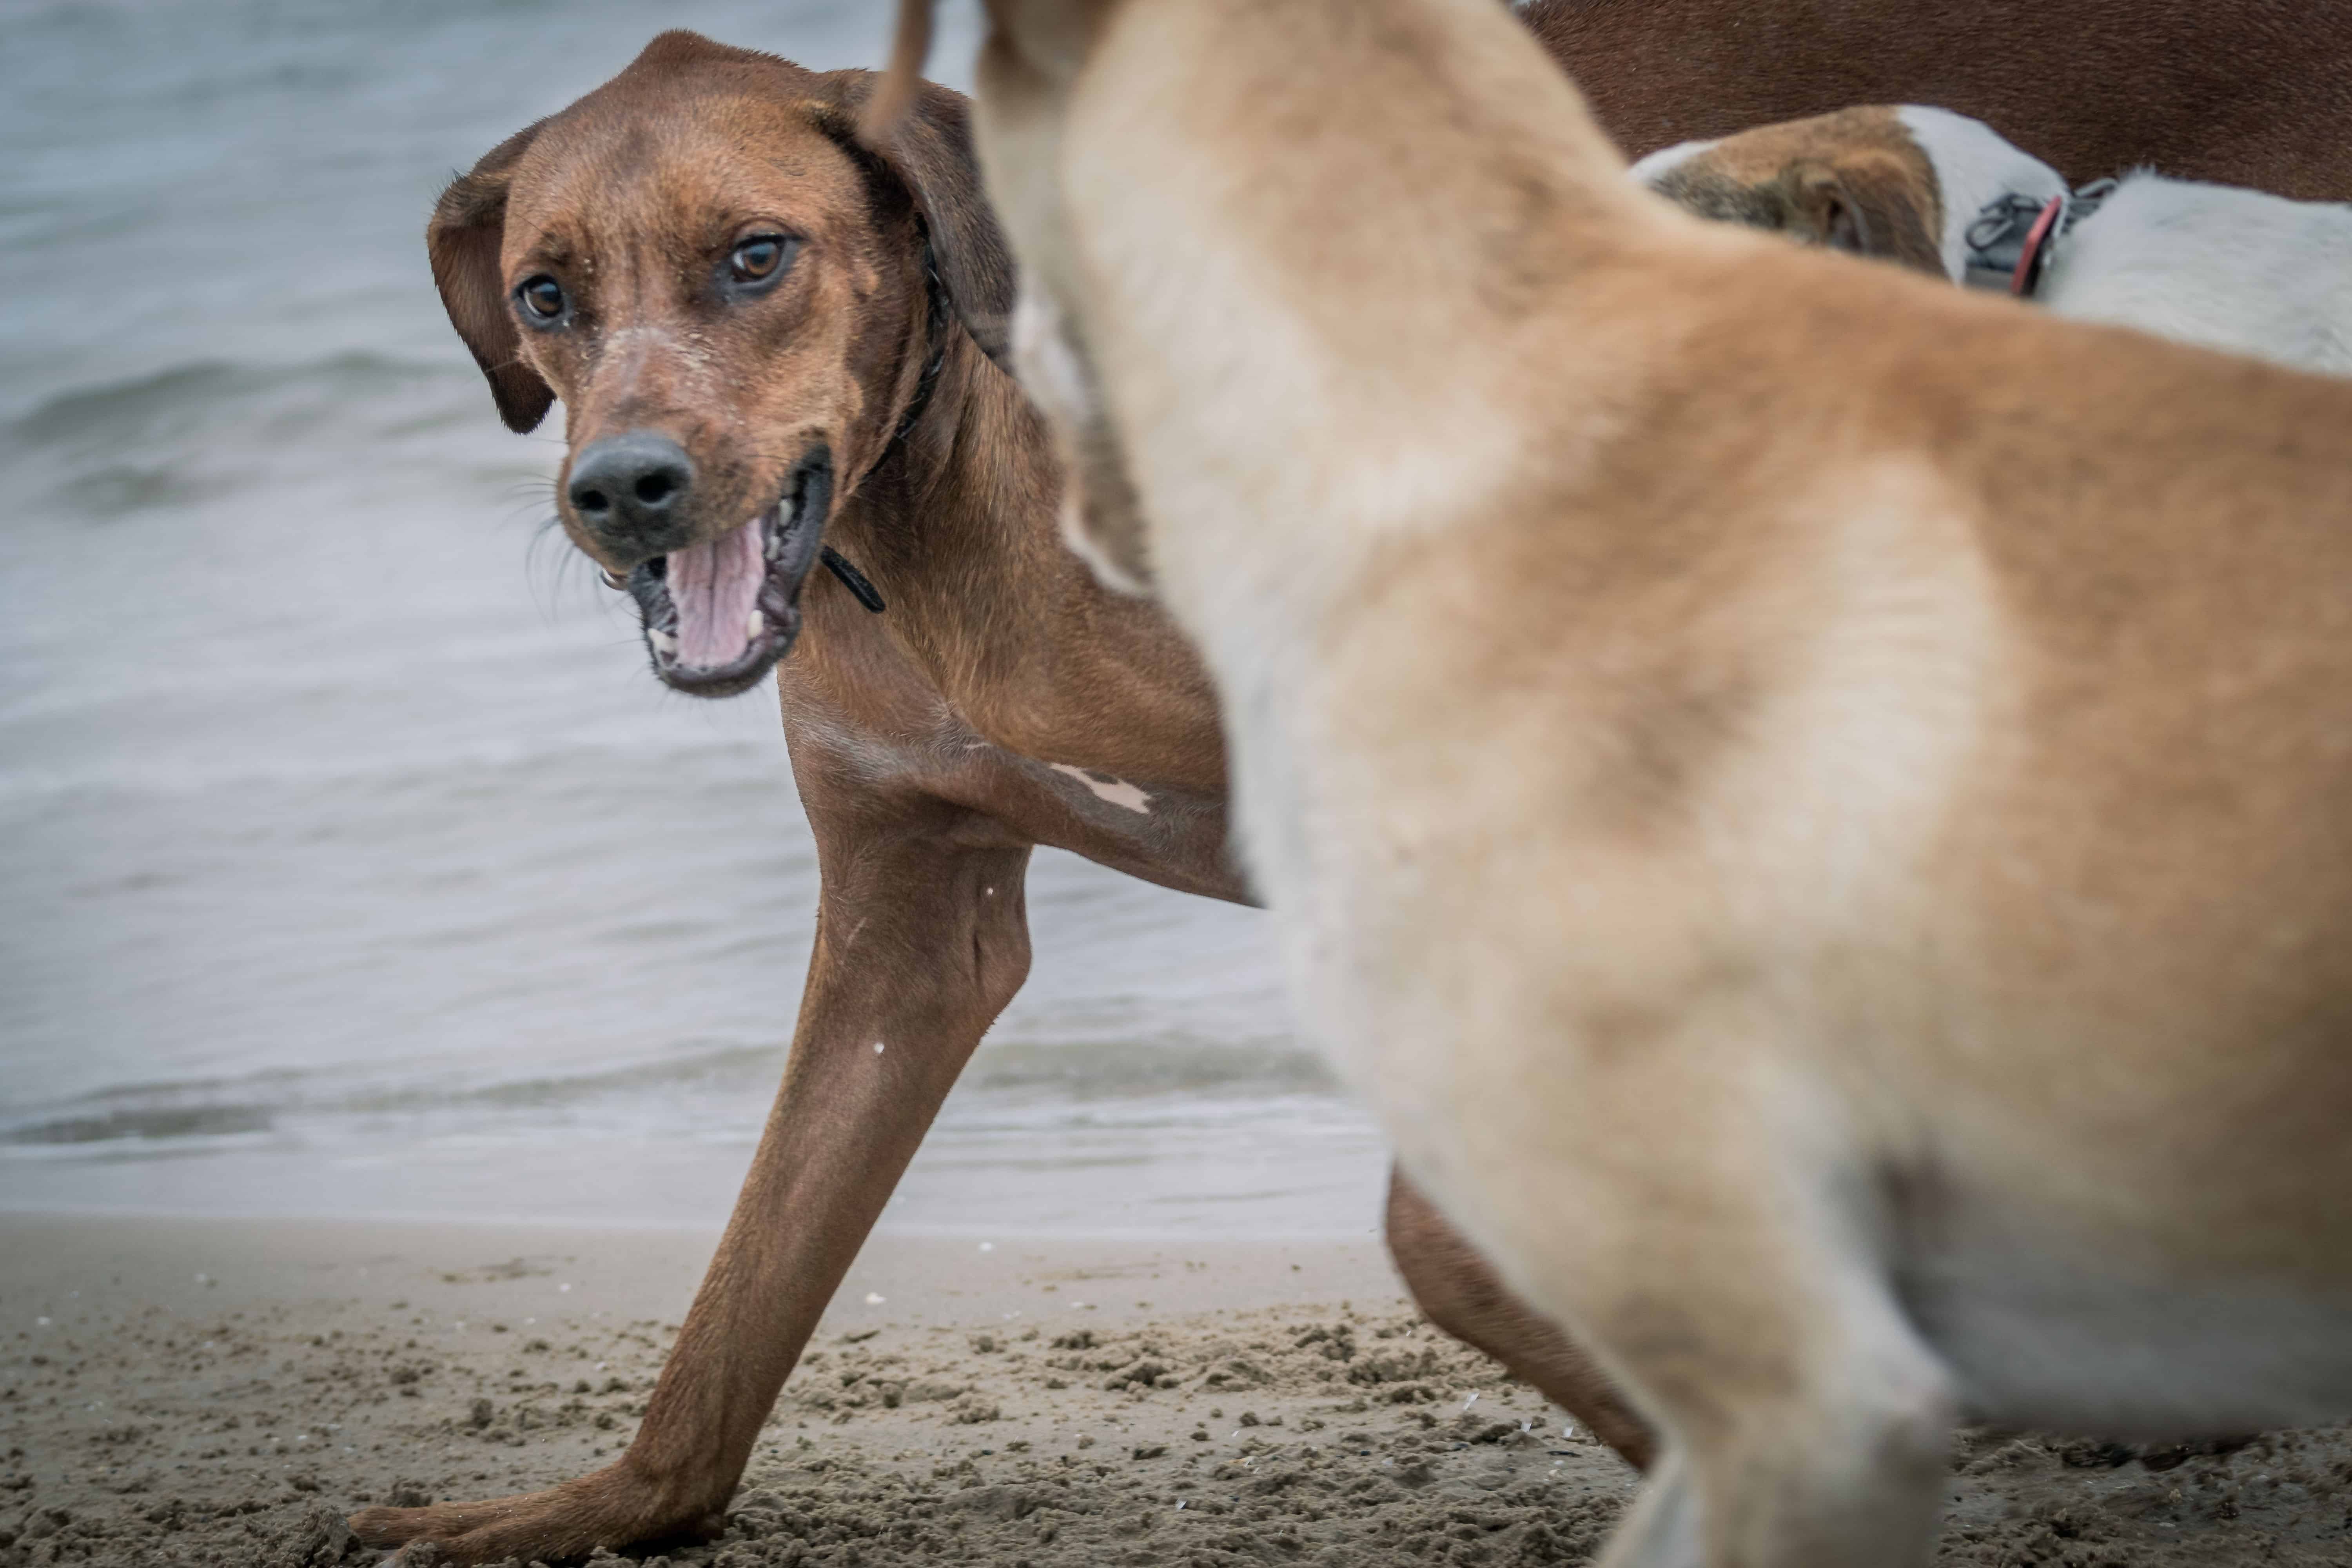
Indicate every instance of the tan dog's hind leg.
{"type": "Point", "coordinates": [1701, 1214]}
{"type": "Point", "coordinates": [1806, 1426]}
{"type": "Point", "coordinates": [921, 940]}
{"type": "Point", "coordinates": [1459, 1292]}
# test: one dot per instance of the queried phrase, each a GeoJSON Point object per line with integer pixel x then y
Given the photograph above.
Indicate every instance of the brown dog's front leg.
{"type": "Point", "coordinates": [921, 940]}
{"type": "Point", "coordinates": [1459, 1292]}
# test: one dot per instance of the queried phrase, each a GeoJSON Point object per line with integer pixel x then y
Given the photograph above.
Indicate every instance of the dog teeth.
{"type": "Point", "coordinates": [755, 623]}
{"type": "Point", "coordinates": [665, 643]}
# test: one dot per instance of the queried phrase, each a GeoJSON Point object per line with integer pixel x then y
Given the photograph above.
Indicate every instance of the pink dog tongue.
{"type": "Point", "coordinates": [715, 587]}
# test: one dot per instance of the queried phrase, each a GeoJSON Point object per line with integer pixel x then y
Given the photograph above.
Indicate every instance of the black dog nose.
{"type": "Point", "coordinates": [631, 490]}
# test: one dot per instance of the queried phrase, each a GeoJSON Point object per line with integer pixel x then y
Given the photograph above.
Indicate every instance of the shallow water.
{"type": "Point", "coordinates": [342, 835]}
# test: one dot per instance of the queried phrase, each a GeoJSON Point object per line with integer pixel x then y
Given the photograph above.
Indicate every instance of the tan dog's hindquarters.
{"type": "Point", "coordinates": [1808, 801]}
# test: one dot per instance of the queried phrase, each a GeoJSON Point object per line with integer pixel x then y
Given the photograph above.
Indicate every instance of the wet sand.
{"type": "Point", "coordinates": [224, 1392]}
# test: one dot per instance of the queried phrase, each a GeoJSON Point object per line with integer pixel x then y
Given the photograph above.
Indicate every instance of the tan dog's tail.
{"type": "Point", "coordinates": [911, 46]}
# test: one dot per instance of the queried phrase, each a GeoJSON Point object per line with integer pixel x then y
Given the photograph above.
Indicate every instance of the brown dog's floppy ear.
{"type": "Point", "coordinates": [1826, 214]}
{"type": "Point", "coordinates": [1866, 206]}
{"type": "Point", "coordinates": [469, 224]}
{"type": "Point", "coordinates": [928, 153]}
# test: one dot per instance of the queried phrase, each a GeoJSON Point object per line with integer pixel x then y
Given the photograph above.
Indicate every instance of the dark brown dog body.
{"type": "Point", "coordinates": [2244, 94]}
{"type": "Point", "coordinates": [1004, 700]}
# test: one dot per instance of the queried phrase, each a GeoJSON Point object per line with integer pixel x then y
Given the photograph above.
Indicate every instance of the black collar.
{"type": "Point", "coordinates": [935, 331]}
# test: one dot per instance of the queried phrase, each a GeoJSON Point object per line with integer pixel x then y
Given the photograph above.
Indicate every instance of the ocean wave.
{"type": "Point", "coordinates": [1151, 1067]}
{"type": "Point", "coordinates": [196, 432]}
{"type": "Point", "coordinates": [559, 767]}
{"type": "Point", "coordinates": [148, 1125]}
{"type": "Point", "coordinates": [182, 399]}
{"type": "Point", "coordinates": [680, 1090]}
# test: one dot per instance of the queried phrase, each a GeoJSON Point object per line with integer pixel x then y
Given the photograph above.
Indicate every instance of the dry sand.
{"type": "Point", "coordinates": [210, 1391]}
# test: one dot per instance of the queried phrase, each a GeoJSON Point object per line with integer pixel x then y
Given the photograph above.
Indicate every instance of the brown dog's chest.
{"type": "Point", "coordinates": [1134, 780]}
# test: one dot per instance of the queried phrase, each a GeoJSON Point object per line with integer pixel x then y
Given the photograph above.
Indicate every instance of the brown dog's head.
{"type": "Point", "coordinates": [1856, 180]}
{"type": "Point", "coordinates": [738, 303]}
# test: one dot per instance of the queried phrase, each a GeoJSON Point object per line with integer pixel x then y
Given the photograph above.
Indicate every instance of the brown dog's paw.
{"type": "Point", "coordinates": [612, 1509]}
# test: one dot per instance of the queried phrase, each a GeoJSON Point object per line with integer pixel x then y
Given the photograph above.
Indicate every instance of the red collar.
{"type": "Point", "coordinates": [2030, 260]}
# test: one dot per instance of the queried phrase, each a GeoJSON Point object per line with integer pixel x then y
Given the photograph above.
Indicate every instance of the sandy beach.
{"type": "Point", "coordinates": [365, 878]}
{"type": "Point", "coordinates": [205, 1391]}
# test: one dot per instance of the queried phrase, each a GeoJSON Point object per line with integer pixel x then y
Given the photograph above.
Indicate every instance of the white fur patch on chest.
{"type": "Point", "coordinates": [1116, 791]}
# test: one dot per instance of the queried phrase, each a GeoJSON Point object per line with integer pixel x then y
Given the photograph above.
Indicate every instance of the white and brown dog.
{"type": "Point", "coordinates": [2216, 264]}
{"type": "Point", "coordinates": [1816, 807]}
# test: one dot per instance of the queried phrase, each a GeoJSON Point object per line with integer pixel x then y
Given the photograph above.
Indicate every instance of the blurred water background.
{"type": "Point", "coordinates": [342, 833]}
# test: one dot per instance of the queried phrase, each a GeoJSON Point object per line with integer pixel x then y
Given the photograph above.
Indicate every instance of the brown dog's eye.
{"type": "Point", "coordinates": [760, 257]}
{"type": "Point", "coordinates": [541, 295]}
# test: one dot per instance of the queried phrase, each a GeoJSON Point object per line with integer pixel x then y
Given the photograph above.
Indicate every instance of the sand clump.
{"type": "Point", "coordinates": [1332, 1434]}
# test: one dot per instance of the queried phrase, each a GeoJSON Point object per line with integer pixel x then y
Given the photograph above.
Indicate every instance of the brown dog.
{"type": "Point", "coordinates": [2229, 90]}
{"type": "Point", "coordinates": [1002, 701]}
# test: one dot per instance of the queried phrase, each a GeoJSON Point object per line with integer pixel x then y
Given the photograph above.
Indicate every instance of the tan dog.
{"type": "Point", "coordinates": [1813, 803]}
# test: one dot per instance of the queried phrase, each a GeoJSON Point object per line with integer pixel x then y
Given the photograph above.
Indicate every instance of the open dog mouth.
{"type": "Point", "coordinates": [718, 615]}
